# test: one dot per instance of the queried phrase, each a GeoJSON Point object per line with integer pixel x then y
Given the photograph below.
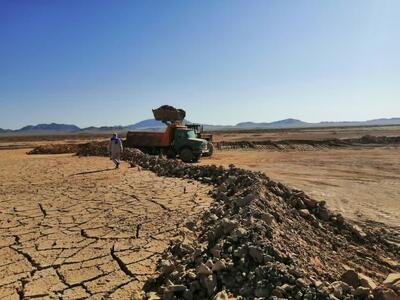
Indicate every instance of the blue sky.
{"type": "Point", "coordinates": [110, 62]}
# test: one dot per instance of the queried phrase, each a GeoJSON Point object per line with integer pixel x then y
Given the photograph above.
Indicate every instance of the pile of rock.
{"type": "Point", "coordinates": [55, 149]}
{"type": "Point", "coordinates": [307, 144]}
{"type": "Point", "coordinates": [361, 286]}
{"type": "Point", "coordinates": [93, 149]}
{"type": "Point", "coordinates": [282, 145]}
{"type": "Point", "coordinates": [87, 149]}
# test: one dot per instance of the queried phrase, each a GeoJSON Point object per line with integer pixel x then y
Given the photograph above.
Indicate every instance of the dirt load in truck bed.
{"type": "Point", "coordinates": [168, 113]}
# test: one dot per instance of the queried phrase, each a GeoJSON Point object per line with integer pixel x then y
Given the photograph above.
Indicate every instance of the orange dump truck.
{"type": "Point", "coordinates": [176, 140]}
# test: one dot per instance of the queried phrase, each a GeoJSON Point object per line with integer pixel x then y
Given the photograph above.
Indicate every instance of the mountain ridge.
{"type": "Point", "coordinates": [151, 124]}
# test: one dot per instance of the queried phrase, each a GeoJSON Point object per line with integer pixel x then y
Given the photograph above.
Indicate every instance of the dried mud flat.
{"type": "Point", "coordinates": [69, 225]}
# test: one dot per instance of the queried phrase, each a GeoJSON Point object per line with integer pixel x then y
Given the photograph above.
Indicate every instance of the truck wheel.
{"type": "Point", "coordinates": [210, 148]}
{"type": "Point", "coordinates": [171, 153]}
{"type": "Point", "coordinates": [186, 155]}
{"type": "Point", "coordinates": [196, 158]}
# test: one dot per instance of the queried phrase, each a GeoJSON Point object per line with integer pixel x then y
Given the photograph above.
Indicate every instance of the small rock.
{"type": "Point", "coordinates": [166, 266]}
{"type": "Point", "coordinates": [301, 282]}
{"type": "Point", "coordinates": [392, 279]}
{"type": "Point", "coordinates": [256, 253]}
{"type": "Point", "coordinates": [317, 283]}
{"type": "Point", "coordinates": [228, 225]}
{"type": "Point", "coordinates": [202, 269]}
{"type": "Point", "coordinates": [175, 288]}
{"type": "Point", "coordinates": [385, 294]}
{"type": "Point", "coordinates": [305, 213]}
{"type": "Point", "coordinates": [238, 233]}
{"type": "Point", "coordinates": [191, 275]}
{"type": "Point", "coordinates": [210, 283]}
{"type": "Point", "coordinates": [267, 218]}
{"type": "Point", "coordinates": [366, 282]}
{"type": "Point", "coordinates": [209, 263]}
{"type": "Point", "coordinates": [340, 219]}
{"type": "Point", "coordinates": [351, 278]}
{"type": "Point", "coordinates": [340, 288]}
{"type": "Point", "coordinates": [324, 214]}
{"type": "Point", "coordinates": [219, 266]}
{"type": "Point", "coordinates": [361, 291]}
{"type": "Point", "coordinates": [246, 200]}
{"type": "Point", "coordinates": [358, 231]}
{"type": "Point", "coordinates": [286, 287]}
{"type": "Point", "coordinates": [152, 296]}
{"type": "Point", "coordinates": [223, 295]}
{"type": "Point", "coordinates": [278, 292]}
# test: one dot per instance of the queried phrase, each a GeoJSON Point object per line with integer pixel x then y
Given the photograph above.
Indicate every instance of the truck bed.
{"type": "Point", "coordinates": [147, 139]}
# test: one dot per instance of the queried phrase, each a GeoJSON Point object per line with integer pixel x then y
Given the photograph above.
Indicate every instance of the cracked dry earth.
{"type": "Point", "coordinates": [68, 225]}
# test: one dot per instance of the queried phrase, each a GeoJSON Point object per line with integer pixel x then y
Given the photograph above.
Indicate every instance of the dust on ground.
{"type": "Point", "coordinates": [69, 225]}
{"type": "Point", "coordinates": [362, 184]}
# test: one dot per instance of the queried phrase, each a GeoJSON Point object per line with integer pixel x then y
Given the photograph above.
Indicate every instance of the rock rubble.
{"type": "Point", "coordinates": [304, 145]}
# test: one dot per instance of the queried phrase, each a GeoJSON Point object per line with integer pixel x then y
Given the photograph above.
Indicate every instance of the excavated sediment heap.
{"type": "Point", "coordinates": [261, 240]}
{"type": "Point", "coordinates": [309, 144]}
{"type": "Point", "coordinates": [283, 145]}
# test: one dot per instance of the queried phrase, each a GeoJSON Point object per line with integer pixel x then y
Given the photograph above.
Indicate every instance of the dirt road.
{"type": "Point", "coordinates": [363, 184]}
{"type": "Point", "coordinates": [68, 225]}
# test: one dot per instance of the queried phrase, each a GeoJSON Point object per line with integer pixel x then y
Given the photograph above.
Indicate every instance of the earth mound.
{"type": "Point", "coordinates": [55, 149]}
{"type": "Point", "coordinates": [303, 145]}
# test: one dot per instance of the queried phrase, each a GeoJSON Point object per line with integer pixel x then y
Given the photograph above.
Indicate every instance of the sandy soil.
{"type": "Point", "coordinates": [363, 184]}
{"type": "Point", "coordinates": [68, 225]}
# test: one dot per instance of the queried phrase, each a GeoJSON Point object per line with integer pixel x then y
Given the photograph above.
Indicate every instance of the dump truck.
{"type": "Point", "coordinates": [176, 141]}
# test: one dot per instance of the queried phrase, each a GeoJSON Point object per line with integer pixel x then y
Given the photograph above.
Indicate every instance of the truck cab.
{"type": "Point", "coordinates": [199, 131]}
{"type": "Point", "coordinates": [187, 145]}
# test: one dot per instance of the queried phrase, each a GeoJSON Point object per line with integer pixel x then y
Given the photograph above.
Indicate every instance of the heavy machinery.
{"type": "Point", "coordinates": [176, 140]}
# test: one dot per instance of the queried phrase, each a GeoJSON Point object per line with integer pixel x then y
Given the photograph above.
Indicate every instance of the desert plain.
{"type": "Point", "coordinates": [75, 228]}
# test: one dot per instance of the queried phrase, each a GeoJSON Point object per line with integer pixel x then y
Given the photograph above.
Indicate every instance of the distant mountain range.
{"type": "Point", "coordinates": [294, 123]}
{"type": "Point", "coordinates": [151, 124]}
{"type": "Point", "coordinates": [277, 124]}
{"type": "Point", "coordinates": [50, 127]}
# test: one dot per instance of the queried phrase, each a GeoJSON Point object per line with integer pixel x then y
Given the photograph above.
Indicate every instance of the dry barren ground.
{"type": "Point", "coordinates": [362, 184]}
{"type": "Point", "coordinates": [306, 133]}
{"type": "Point", "coordinates": [68, 225]}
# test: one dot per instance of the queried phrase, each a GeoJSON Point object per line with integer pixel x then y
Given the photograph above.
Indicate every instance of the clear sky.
{"type": "Point", "coordinates": [107, 62]}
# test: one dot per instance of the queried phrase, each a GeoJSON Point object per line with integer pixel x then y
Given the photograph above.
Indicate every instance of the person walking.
{"type": "Point", "coordinates": [115, 149]}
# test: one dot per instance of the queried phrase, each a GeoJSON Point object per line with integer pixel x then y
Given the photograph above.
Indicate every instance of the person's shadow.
{"type": "Point", "coordinates": [91, 172]}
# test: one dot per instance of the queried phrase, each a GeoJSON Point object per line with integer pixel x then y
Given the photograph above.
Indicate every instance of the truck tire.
{"type": "Point", "coordinates": [186, 155]}
{"type": "Point", "coordinates": [196, 158]}
{"type": "Point", "coordinates": [210, 148]}
{"type": "Point", "coordinates": [171, 154]}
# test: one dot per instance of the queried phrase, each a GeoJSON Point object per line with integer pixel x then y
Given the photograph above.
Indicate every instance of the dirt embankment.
{"type": "Point", "coordinates": [262, 239]}
{"type": "Point", "coordinates": [97, 148]}
{"type": "Point", "coordinates": [282, 145]}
